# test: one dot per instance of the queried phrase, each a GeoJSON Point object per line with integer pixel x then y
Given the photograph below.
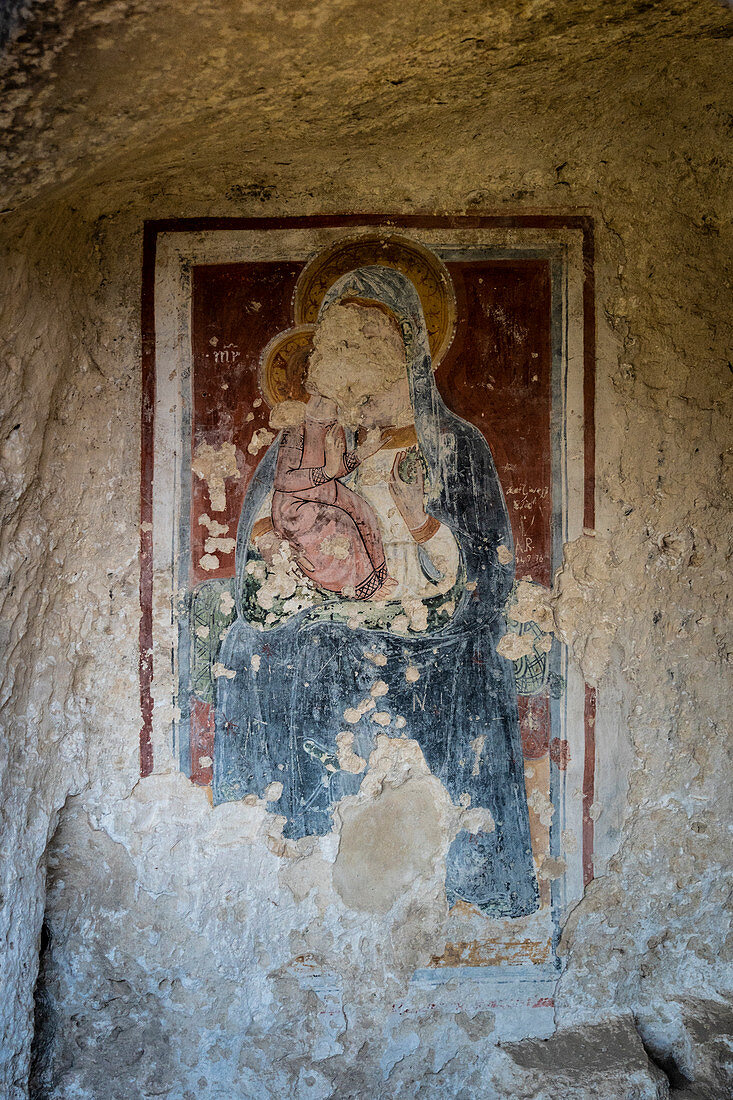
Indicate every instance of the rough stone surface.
{"type": "Point", "coordinates": [178, 960]}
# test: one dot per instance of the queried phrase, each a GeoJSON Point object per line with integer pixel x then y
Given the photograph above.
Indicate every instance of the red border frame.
{"type": "Point", "coordinates": [152, 229]}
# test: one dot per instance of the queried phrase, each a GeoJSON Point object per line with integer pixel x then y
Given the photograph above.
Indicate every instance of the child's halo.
{"type": "Point", "coordinates": [284, 366]}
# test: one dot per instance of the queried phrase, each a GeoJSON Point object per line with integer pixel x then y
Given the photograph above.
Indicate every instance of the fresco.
{"type": "Point", "coordinates": [369, 510]}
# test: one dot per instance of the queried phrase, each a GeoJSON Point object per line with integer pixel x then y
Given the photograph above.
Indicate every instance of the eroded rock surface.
{"type": "Point", "coordinates": [191, 952]}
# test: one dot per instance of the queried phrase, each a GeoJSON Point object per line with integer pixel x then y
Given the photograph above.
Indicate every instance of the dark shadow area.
{"type": "Point", "coordinates": [12, 14]}
{"type": "Point", "coordinates": [44, 1024]}
{"type": "Point", "coordinates": [669, 1066]}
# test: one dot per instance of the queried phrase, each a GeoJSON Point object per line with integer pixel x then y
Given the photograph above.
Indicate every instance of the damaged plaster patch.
{"type": "Point", "coordinates": [391, 840]}
{"type": "Point", "coordinates": [261, 438]}
{"type": "Point", "coordinates": [349, 761]}
{"type": "Point", "coordinates": [532, 604]}
{"type": "Point", "coordinates": [214, 528]}
{"type": "Point", "coordinates": [219, 546]}
{"type": "Point", "coordinates": [286, 414]}
{"type": "Point", "coordinates": [395, 833]}
{"type": "Point", "coordinates": [273, 791]}
{"type": "Point", "coordinates": [218, 669]}
{"type": "Point", "coordinates": [504, 554]}
{"type": "Point", "coordinates": [357, 352]}
{"type": "Point", "coordinates": [381, 717]}
{"type": "Point", "coordinates": [214, 465]}
{"type": "Point", "coordinates": [542, 806]}
{"type": "Point", "coordinates": [352, 715]}
{"type": "Point", "coordinates": [515, 646]}
{"type": "Point", "coordinates": [477, 746]}
{"type": "Point", "coordinates": [336, 546]}
{"type": "Point", "coordinates": [378, 659]}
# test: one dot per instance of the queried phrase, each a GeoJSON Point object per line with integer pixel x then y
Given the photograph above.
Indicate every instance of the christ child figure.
{"type": "Point", "coordinates": [332, 531]}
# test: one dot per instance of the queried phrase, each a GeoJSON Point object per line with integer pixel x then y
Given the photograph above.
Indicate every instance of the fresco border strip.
{"type": "Point", "coordinates": [155, 227]}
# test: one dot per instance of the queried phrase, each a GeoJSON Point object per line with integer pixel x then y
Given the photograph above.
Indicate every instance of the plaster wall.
{"type": "Point", "coordinates": [177, 959]}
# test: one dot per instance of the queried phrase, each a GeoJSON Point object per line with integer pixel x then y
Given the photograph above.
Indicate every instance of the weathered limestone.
{"type": "Point", "coordinates": [189, 952]}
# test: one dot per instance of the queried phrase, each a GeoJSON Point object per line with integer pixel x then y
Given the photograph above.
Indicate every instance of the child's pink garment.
{"type": "Point", "coordinates": [333, 531]}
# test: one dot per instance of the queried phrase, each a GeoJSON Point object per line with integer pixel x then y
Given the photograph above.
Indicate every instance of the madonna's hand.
{"type": "Point", "coordinates": [409, 497]}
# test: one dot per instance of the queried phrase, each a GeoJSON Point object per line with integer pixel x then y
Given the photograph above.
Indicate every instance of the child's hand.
{"type": "Point", "coordinates": [375, 439]}
{"type": "Point", "coordinates": [334, 448]}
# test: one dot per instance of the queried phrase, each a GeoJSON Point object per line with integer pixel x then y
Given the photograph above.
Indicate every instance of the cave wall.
{"type": "Point", "coordinates": [170, 929]}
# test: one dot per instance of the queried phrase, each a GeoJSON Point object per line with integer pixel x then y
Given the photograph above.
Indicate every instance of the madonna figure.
{"type": "Point", "coordinates": [306, 660]}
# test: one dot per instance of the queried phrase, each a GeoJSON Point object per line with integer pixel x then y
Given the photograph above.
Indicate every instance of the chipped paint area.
{"type": "Point", "coordinates": [214, 465]}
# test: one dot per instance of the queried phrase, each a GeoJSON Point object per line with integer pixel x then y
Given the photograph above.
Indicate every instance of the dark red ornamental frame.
{"type": "Point", "coordinates": [151, 231]}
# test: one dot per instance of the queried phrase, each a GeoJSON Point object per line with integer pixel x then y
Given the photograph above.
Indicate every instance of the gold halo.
{"type": "Point", "coordinates": [422, 267]}
{"type": "Point", "coordinates": [279, 377]}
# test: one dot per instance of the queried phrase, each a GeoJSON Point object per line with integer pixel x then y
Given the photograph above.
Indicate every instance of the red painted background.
{"type": "Point", "coordinates": [496, 374]}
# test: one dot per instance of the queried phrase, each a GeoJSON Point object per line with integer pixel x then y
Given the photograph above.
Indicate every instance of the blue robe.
{"type": "Point", "coordinates": [281, 722]}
